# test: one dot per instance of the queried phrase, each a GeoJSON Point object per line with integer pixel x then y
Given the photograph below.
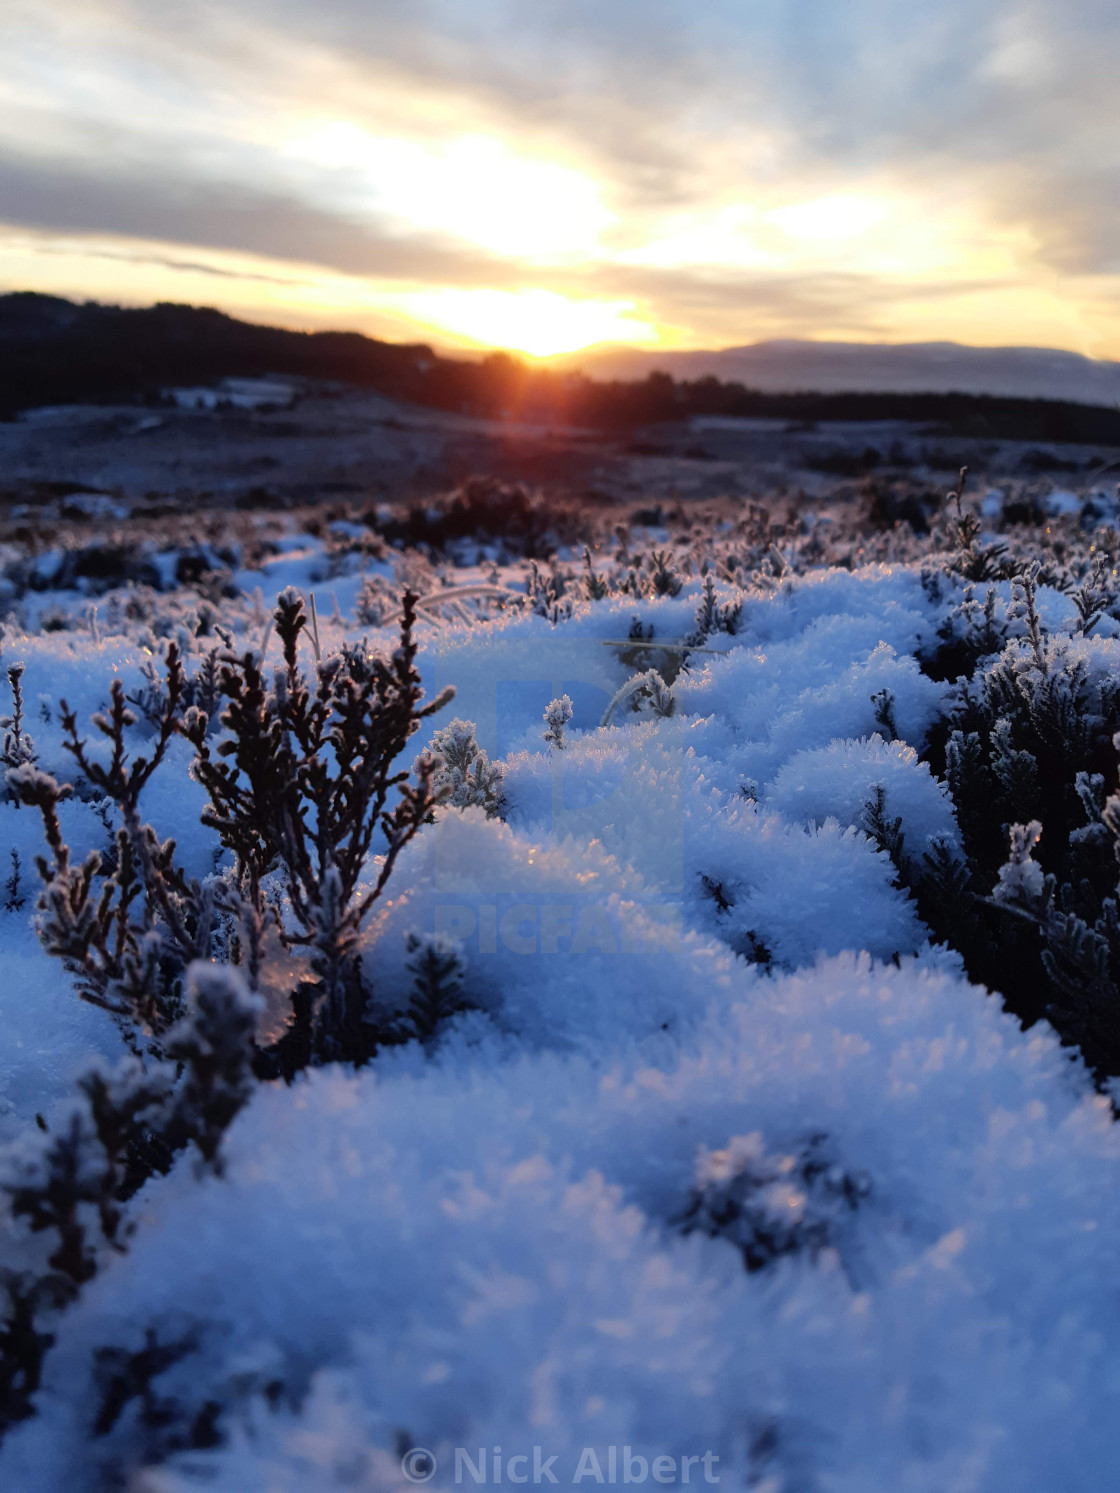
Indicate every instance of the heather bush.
{"type": "Point", "coordinates": [70, 1184]}
{"type": "Point", "coordinates": [437, 967]}
{"type": "Point", "coordinates": [546, 595]}
{"type": "Point", "coordinates": [302, 788]}
{"type": "Point", "coordinates": [16, 747]}
{"type": "Point", "coordinates": [305, 784]}
{"type": "Point", "coordinates": [299, 785]}
{"type": "Point", "coordinates": [463, 775]}
{"type": "Point", "coordinates": [556, 716]}
{"type": "Point", "coordinates": [1028, 742]}
{"type": "Point", "coordinates": [770, 1205]}
{"type": "Point", "coordinates": [967, 556]}
{"type": "Point", "coordinates": [713, 615]}
{"type": "Point", "coordinates": [127, 937]}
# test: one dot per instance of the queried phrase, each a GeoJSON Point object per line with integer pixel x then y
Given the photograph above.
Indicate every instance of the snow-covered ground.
{"type": "Point", "coordinates": [703, 1025]}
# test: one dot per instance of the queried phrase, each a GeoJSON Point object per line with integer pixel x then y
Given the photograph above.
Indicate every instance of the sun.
{"type": "Point", "coordinates": [538, 322]}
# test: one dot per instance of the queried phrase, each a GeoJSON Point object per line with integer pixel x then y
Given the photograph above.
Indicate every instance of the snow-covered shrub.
{"type": "Point", "coordinates": [649, 689]}
{"type": "Point", "coordinates": [127, 939]}
{"type": "Point", "coordinates": [376, 600]}
{"type": "Point", "coordinates": [546, 595]}
{"type": "Point", "coordinates": [768, 1206]}
{"type": "Point", "coordinates": [1095, 592]}
{"type": "Point", "coordinates": [663, 578]}
{"type": "Point", "coordinates": [970, 631]}
{"type": "Point", "coordinates": [306, 780]}
{"type": "Point", "coordinates": [1078, 934]}
{"type": "Point", "coordinates": [974, 561]}
{"type": "Point", "coordinates": [783, 894]}
{"type": "Point", "coordinates": [839, 780]}
{"type": "Point", "coordinates": [595, 588]}
{"type": "Point", "coordinates": [556, 716]}
{"type": "Point", "coordinates": [16, 746]}
{"type": "Point", "coordinates": [213, 1044]}
{"type": "Point", "coordinates": [463, 775]}
{"type": "Point", "coordinates": [302, 782]}
{"type": "Point", "coordinates": [1029, 743]}
{"type": "Point", "coordinates": [713, 615]}
{"type": "Point", "coordinates": [71, 1183]}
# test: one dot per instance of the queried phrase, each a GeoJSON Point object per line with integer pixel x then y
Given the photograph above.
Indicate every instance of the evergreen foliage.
{"type": "Point", "coordinates": [302, 786]}
{"type": "Point", "coordinates": [545, 595]}
{"type": "Point", "coordinates": [464, 777]}
{"type": "Point", "coordinates": [971, 559]}
{"type": "Point", "coordinates": [16, 747]}
{"type": "Point", "coordinates": [304, 781]}
{"type": "Point", "coordinates": [770, 1205]}
{"type": "Point", "coordinates": [127, 937]}
{"type": "Point", "coordinates": [663, 577]}
{"type": "Point", "coordinates": [713, 615]}
{"type": "Point", "coordinates": [437, 967]}
{"type": "Point", "coordinates": [556, 716]}
{"type": "Point", "coordinates": [1027, 755]}
{"type": "Point", "coordinates": [595, 588]}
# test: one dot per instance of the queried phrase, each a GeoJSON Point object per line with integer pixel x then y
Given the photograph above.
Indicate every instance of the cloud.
{"type": "Point", "coordinates": [163, 261]}
{"type": "Point", "coordinates": [994, 113]}
{"type": "Point", "coordinates": [65, 200]}
{"type": "Point", "coordinates": [155, 206]}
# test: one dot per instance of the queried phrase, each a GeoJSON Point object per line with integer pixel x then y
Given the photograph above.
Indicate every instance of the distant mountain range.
{"type": "Point", "coordinates": [788, 366]}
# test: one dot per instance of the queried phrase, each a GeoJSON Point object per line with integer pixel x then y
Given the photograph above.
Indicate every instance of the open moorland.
{"type": "Point", "coordinates": [566, 941]}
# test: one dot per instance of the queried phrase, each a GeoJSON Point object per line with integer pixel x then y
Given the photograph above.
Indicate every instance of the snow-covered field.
{"type": "Point", "coordinates": [714, 1166]}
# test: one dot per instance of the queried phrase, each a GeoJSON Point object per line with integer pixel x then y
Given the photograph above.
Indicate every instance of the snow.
{"type": "Point", "coordinates": [1061, 503]}
{"type": "Point", "coordinates": [485, 1255]}
{"type": "Point", "coordinates": [679, 942]}
{"type": "Point", "coordinates": [235, 393]}
{"type": "Point", "coordinates": [840, 780]}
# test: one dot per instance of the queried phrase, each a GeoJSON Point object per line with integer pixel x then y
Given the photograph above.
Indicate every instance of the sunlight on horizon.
{"type": "Point", "coordinates": [1081, 316]}
{"type": "Point", "coordinates": [538, 322]}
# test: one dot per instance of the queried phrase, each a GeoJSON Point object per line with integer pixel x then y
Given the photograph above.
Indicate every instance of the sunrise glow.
{"type": "Point", "coordinates": [545, 186]}
{"type": "Point", "coordinates": [538, 322]}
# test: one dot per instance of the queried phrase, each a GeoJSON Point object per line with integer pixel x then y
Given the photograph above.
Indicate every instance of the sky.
{"type": "Point", "coordinates": [545, 175]}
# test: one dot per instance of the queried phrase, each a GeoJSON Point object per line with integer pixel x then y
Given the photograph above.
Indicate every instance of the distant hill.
{"type": "Point", "coordinates": [795, 366]}
{"type": "Point", "coordinates": [54, 351]}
